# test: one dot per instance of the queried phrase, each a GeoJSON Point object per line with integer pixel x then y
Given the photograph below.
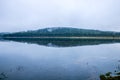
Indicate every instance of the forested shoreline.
{"type": "Point", "coordinates": [63, 32]}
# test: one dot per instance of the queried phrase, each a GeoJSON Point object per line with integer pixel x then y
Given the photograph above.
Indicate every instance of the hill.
{"type": "Point", "coordinates": [63, 32]}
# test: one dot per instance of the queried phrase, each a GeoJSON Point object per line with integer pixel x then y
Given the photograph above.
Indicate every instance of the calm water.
{"type": "Point", "coordinates": [23, 61]}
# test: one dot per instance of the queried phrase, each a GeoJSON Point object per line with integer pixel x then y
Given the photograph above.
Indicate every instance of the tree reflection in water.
{"type": "Point", "coordinates": [63, 42]}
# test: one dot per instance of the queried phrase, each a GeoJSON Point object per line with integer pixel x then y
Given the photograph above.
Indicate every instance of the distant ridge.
{"type": "Point", "coordinates": [62, 32]}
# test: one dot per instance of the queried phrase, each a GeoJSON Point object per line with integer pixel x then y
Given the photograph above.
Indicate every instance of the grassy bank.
{"type": "Point", "coordinates": [68, 37]}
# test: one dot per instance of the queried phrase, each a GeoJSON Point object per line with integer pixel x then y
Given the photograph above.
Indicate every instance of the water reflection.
{"type": "Point", "coordinates": [64, 42]}
{"type": "Point", "coordinates": [19, 61]}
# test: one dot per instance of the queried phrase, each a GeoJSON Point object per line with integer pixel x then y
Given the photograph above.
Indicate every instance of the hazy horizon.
{"type": "Point", "coordinates": [22, 15]}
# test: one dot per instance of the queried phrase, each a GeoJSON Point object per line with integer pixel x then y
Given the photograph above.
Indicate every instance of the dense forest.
{"type": "Point", "coordinates": [63, 32]}
{"type": "Point", "coordinates": [1, 34]}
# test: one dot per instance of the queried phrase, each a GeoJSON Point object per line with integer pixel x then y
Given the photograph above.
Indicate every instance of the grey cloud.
{"type": "Point", "coordinates": [19, 15]}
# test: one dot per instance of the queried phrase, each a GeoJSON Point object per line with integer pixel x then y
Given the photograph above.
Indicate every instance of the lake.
{"type": "Point", "coordinates": [20, 60]}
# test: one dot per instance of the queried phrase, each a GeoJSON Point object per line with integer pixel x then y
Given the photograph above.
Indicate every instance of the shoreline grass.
{"type": "Point", "coordinates": [112, 38]}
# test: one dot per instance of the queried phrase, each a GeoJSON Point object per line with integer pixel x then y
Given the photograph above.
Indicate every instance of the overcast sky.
{"type": "Point", "coordinates": [20, 15]}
